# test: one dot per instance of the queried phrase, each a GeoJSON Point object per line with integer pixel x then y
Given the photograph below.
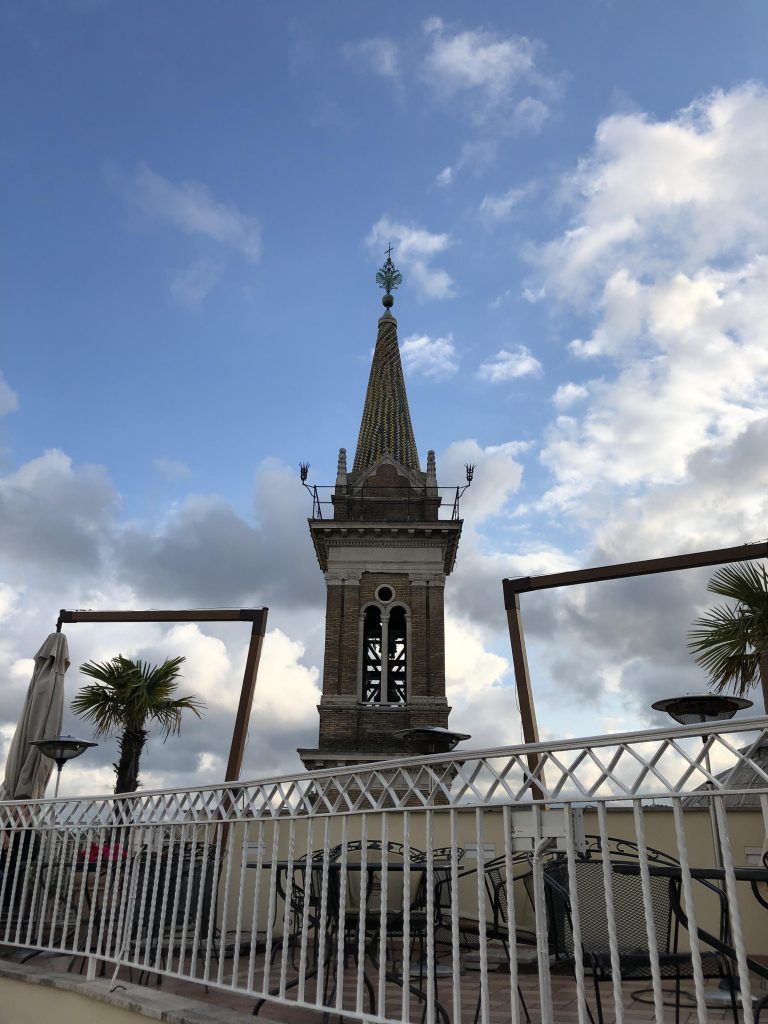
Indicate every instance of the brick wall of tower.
{"type": "Point", "coordinates": [344, 722]}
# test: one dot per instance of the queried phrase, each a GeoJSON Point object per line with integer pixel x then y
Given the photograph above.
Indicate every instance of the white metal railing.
{"type": "Point", "coordinates": [409, 889]}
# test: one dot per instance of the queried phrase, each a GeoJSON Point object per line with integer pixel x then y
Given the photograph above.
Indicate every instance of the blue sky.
{"type": "Point", "coordinates": [196, 200]}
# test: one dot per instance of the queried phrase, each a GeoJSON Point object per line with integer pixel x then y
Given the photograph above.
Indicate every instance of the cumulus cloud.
{"type": "Point", "coordinates": [667, 245]}
{"type": "Point", "coordinates": [509, 365]}
{"type": "Point", "coordinates": [665, 262]}
{"type": "Point", "coordinates": [434, 358]}
{"type": "Point", "coordinates": [667, 195]}
{"type": "Point", "coordinates": [67, 545]}
{"type": "Point", "coordinates": [498, 473]}
{"type": "Point", "coordinates": [568, 394]}
{"type": "Point", "coordinates": [54, 516]}
{"type": "Point", "coordinates": [415, 250]}
{"type": "Point", "coordinates": [489, 70]}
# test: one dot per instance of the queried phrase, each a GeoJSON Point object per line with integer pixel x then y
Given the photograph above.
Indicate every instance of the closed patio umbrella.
{"type": "Point", "coordinates": [27, 771]}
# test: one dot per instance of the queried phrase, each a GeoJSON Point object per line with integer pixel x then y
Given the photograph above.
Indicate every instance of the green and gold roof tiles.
{"type": "Point", "coordinates": [386, 427]}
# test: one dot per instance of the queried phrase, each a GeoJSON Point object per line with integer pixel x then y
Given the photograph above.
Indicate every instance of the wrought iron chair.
{"type": "Point", "coordinates": [376, 852]}
{"type": "Point", "coordinates": [635, 958]}
{"type": "Point", "coordinates": [174, 905]}
{"type": "Point", "coordinates": [468, 927]}
{"type": "Point", "coordinates": [19, 900]}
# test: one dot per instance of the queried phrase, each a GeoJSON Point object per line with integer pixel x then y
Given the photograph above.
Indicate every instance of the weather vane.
{"type": "Point", "coordinates": [388, 277]}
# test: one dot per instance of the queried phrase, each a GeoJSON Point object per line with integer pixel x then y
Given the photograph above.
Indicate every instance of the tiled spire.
{"type": "Point", "coordinates": [386, 424]}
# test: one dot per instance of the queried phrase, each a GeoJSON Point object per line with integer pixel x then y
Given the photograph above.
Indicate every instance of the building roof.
{"type": "Point", "coordinates": [743, 776]}
{"type": "Point", "coordinates": [386, 427]}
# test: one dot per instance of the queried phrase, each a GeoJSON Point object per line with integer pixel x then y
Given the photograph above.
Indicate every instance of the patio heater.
{"type": "Point", "coordinates": [431, 739]}
{"type": "Point", "coordinates": [701, 709]}
{"type": "Point", "coordinates": [62, 749]}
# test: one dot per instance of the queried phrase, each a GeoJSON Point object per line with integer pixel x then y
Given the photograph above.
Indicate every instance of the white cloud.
{"type": "Point", "coordinates": [380, 55]}
{"type": "Point", "coordinates": [445, 177]}
{"type": "Point", "coordinates": [568, 394]}
{"type": "Point", "coordinates": [68, 546]}
{"type": "Point", "coordinates": [507, 365]}
{"type": "Point", "coordinates": [54, 516]}
{"type": "Point", "coordinates": [415, 248]}
{"type": "Point", "coordinates": [191, 285]}
{"type": "Point", "coordinates": [190, 207]}
{"type": "Point", "coordinates": [9, 401]}
{"type": "Point", "coordinates": [498, 474]}
{"type": "Point", "coordinates": [656, 196]}
{"type": "Point", "coordinates": [288, 691]}
{"type": "Point", "coordinates": [499, 208]}
{"type": "Point", "coordinates": [666, 249]}
{"type": "Point", "coordinates": [488, 68]}
{"type": "Point", "coordinates": [430, 357]}
{"type": "Point", "coordinates": [665, 262]}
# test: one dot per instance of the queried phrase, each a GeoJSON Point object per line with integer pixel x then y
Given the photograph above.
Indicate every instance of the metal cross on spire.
{"type": "Point", "coordinates": [388, 278]}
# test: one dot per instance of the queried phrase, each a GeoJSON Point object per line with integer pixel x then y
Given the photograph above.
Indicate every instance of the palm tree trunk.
{"type": "Point", "coordinates": [131, 744]}
{"type": "Point", "coordinates": [764, 678]}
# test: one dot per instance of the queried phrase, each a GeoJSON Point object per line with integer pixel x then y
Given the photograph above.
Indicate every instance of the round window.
{"type": "Point", "coordinates": [385, 594]}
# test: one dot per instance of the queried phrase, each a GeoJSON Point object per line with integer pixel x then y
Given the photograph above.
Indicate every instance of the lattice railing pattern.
{"type": "Point", "coordinates": [645, 764]}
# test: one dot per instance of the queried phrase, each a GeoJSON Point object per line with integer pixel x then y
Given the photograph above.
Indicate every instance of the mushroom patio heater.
{"type": "Point", "coordinates": [700, 709]}
{"type": "Point", "coordinates": [431, 739]}
{"type": "Point", "coordinates": [62, 749]}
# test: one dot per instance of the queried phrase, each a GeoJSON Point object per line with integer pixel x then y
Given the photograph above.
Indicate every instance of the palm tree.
{"type": "Point", "coordinates": [732, 641]}
{"type": "Point", "coordinates": [124, 698]}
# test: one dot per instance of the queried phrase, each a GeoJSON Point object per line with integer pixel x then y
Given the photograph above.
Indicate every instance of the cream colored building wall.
{"type": "Point", "coordinates": [745, 828]}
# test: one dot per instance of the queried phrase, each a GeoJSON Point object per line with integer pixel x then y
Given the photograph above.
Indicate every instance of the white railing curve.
{"type": "Point", "coordinates": [491, 885]}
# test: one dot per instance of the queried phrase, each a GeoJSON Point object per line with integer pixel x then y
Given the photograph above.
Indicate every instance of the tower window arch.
{"type": "Point", "coordinates": [372, 651]}
{"type": "Point", "coordinates": [397, 655]}
{"type": "Point", "coordinates": [384, 655]}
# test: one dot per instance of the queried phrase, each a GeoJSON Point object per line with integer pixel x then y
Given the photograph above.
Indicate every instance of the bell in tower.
{"type": "Point", "coordinates": [385, 551]}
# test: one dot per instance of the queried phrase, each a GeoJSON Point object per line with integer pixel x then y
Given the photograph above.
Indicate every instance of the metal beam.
{"type": "Point", "coordinates": [523, 680]}
{"type": "Point", "coordinates": [623, 570]}
{"type": "Point", "coordinates": [256, 616]}
{"type": "Point", "coordinates": [513, 588]}
{"type": "Point", "coordinates": [243, 717]}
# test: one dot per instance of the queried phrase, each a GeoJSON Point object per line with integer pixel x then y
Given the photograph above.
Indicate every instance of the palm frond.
{"type": "Point", "coordinates": [728, 640]}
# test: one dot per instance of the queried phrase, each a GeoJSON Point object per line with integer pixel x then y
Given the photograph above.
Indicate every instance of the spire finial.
{"type": "Point", "coordinates": [388, 278]}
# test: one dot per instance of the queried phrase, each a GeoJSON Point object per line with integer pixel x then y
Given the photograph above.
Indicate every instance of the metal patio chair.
{"type": "Point", "coordinates": [497, 916]}
{"type": "Point", "coordinates": [635, 958]}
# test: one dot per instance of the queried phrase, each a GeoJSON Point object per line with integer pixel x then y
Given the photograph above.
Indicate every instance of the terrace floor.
{"type": "Point", "coordinates": [637, 996]}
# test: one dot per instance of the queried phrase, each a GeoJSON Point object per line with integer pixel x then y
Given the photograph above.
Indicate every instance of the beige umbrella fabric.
{"type": "Point", "coordinates": [27, 771]}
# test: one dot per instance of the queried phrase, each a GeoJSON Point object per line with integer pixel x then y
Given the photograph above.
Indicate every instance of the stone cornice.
{"type": "Point", "coordinates": [330, 533]}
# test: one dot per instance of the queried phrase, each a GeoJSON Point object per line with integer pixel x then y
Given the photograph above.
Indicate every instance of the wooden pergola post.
{"type": "Point", "coordinates": [513, 588]}
{"type": "Point", "coordinates": [258, 619]}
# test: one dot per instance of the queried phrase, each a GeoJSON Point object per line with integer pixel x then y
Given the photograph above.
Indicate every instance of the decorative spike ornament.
{"type": "Point", "coordinates": [341, 468]}
{"type": "Point", "coordinates": [431, 470]}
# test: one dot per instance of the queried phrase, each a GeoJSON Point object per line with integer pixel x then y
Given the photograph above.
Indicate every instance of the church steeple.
{"type": "Point", "coordinates": [385, 552]}
{"type": "Point", "coordinates": [385, 428]}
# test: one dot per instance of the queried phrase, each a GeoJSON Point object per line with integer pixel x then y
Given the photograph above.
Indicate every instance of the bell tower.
{"type": "Point", "coordinates": [385, 552]}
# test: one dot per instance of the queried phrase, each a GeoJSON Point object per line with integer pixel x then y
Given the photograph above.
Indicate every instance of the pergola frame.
{"type": "Point", "coordinates": [513, 588]}
{"type": "Point", "coordinates": [258, 619]}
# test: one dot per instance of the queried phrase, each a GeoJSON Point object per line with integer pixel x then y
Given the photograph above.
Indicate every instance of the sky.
{"type": "Point", "coordinates": [196, 198]}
